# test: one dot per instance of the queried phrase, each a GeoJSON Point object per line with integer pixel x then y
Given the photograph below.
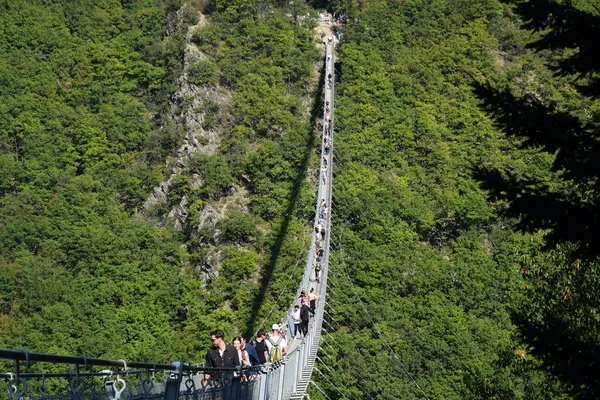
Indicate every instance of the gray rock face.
{"type": "Point", "coordinates": [187, 113]}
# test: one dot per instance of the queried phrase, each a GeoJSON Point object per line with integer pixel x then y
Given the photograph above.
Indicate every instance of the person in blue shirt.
{"type": "Point", "coordinates": [252, 354]}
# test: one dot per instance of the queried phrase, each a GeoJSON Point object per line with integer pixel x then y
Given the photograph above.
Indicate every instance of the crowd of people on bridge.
{"type": "Point", "coordinates": [264, 348]}
{"type": "Point", "coordinates": [272, 347]}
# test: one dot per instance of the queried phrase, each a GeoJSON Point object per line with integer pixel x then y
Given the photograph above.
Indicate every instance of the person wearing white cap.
{"type": "Point", "coordinates": [276, 345]}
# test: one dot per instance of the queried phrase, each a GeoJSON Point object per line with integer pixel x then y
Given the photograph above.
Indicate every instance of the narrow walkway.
{"type": "Point", "coordinates": [325, 186]}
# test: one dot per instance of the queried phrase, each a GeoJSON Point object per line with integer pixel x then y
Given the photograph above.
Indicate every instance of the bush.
{"type": "Point", "coordinates": [216, 175]}
{"type": "Point", "coordinates": [204, 73]}
{"type": "Point", "coordinates": [239, 264]}
{"type": "Point", "coordinates": [238, 227]}
{"type": "Point", "coordinates": [180, 186]}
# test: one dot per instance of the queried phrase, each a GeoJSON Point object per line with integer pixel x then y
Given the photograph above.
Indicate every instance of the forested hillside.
{"type": "Point", "coordinates": [89, 126]}
{"type": "Point", "coordinates": [465, 203]}
{"type": "Point", "coordinates": [464, 262]}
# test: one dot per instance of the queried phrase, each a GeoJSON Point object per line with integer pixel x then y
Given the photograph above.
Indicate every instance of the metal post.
{"type": "Point", "coordinates": [281, 380]}
{"type": "Point", "coordinates": [236, 386]}
{"type": "Point", "coordinates": [263, 385]}
{"type": "Point", "coordinates": [173, 384]}
{"type": "Point", "coordinates": [298, 369]}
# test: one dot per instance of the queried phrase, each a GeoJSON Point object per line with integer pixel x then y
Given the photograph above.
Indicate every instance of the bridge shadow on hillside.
{"type": "Point", "coordinates": [300, 177]}
{"type": "Point", "coordinates": [572, 215]}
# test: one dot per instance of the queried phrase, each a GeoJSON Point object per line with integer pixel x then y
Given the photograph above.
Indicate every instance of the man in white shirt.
{"type": "Point", "coordinates": [296, 318]}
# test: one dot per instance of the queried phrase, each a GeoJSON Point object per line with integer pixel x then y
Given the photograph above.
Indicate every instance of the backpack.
{"type": "Point", "coordinates": [275, 350]}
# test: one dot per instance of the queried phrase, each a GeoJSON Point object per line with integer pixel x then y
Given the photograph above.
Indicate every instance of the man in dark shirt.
{"type": "Point", "coordinates": [220, 355]}
{"type": "Point", "coordinates": [261, 346]}
{"type": "Point", "coordinates": [304, 318]}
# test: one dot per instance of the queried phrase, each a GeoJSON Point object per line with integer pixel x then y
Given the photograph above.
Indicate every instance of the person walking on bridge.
{"type": "Point", "coordinates": [297, 321]}
{"type": "Point", "coordinates": [313, 300]}
{"type": "Point", "coordinates": [220, 355]}
{"type": "Point", "coordinates": [317, 266]}
{"type": "Point", "coordinates": [304, 317]}
{"type": "Point", "coordinates": [261, 346]}
{"type": "Point", "coordinates": [251, 350]}
{"type": "Point", "coordinates": [276, 345]}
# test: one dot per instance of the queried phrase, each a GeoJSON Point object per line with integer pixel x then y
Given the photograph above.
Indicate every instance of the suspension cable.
{"type": "Point", "coordinates": [319, 389]}
{"type": "Point", "coordinates": [392, 352]}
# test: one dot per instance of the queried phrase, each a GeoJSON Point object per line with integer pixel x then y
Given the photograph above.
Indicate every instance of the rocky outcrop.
{"type": "Point", "coordinates": [187, 111]}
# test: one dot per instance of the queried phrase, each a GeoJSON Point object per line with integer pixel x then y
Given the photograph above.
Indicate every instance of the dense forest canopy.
{"type": "Point", "coordinates": [464, 262]}
{"type": "Point", "coordinates": [89, 108]}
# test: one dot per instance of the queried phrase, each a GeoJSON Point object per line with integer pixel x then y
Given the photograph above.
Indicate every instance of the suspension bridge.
{"type": "Point", "coordinates": [285, 379]}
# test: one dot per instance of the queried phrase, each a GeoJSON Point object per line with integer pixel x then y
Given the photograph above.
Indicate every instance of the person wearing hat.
{"type": "Point", "coordinates": [276, 344]}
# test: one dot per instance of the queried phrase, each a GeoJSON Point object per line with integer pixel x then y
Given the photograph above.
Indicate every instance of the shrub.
{"type": "Point", "coordinates": [203, 73]}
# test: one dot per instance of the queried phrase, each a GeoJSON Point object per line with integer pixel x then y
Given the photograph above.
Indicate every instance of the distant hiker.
{"type": "Point", "coordinates": [328, 147]}
{"type": "Point", "coordinates": [320, 253]}
{"type": "Point", "coordinates": [317, 267]}
{"type": "Point", "coordinates": [323, 212]}
{"type": "Point", "coordinates": [304, 318]}
{"type": "Point", "coordinates": [313, 300]}
{"type": "Point", "coordinates": [304, 296]}
{"type": "Point", "coordinates": [297, 321]}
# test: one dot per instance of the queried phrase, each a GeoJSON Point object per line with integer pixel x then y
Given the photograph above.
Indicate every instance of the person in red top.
{"type": "Point", "coordinates": [304, 296]}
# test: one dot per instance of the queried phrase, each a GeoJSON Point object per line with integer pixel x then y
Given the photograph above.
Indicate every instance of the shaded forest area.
{"type": "Point", "coordinates": [465, 203]}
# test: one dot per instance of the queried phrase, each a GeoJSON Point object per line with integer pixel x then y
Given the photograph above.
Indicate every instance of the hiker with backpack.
{"type": "Point", "coordinates": [317, 266]}
{"type": "Point", "coordinates": [276, 345]}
